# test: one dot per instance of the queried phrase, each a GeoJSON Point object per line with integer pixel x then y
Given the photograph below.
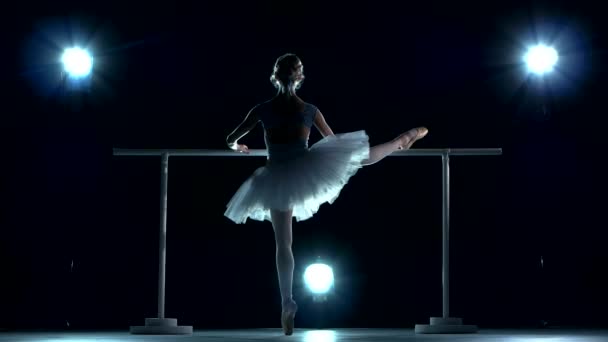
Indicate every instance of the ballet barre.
{"type": "Point", "coordinates": [438, 325]}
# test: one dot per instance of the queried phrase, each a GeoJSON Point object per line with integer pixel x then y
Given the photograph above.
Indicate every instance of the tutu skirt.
{"type": "Point", "coordinates": [299, 178]}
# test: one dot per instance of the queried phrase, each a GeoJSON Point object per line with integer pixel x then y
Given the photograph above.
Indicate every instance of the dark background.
{"type": "Point", "coordinates": [185, 75]}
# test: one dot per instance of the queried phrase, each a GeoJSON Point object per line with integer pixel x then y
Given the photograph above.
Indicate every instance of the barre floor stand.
{"type": "Point", "coordinates": [438, 325]}
{"type": "Point", "coordinates": [445, 324]}
{"type": "Point", "coordinates": [161, 325]}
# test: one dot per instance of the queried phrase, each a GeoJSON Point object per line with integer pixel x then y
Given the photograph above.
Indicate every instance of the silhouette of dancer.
{"type": "Point", "coordinates": [297, 179]}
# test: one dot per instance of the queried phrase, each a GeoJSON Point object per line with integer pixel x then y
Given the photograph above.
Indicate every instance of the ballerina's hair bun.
{"type": "Point", "coordinates": [282, 73]}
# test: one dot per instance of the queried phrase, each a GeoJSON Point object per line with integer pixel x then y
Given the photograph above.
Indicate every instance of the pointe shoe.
{"type": "Point", "coordinates": [287, 317]}
{"type": "Point", "coordinates": [420, 132]}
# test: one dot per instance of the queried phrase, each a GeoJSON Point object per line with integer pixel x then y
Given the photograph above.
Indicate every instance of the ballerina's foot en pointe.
{"type": "Point", "coordinates": [407, 139]}
{"type": "Point", "coordinates": [287, 316]}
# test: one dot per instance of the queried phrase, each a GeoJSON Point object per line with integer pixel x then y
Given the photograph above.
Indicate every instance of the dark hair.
{"type": "Point", "coordinates": [282, 72]}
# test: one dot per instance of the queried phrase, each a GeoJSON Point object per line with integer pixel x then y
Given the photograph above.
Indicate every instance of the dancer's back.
{"type": "Point", "coordinates": [286, 122]}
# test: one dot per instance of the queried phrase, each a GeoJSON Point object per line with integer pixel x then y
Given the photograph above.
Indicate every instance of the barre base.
{"type": "Point", "coordinates": [161, 326]}
{"type": "Point", "coordinates": [440, 325]}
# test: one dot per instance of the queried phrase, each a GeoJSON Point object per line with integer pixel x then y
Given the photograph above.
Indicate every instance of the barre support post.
{"type": "Point", "coordinates": [445, 324]}
{"type": "Point", "coordinates": [162, 325]}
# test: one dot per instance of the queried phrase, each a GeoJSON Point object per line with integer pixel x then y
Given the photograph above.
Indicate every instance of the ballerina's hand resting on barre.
{"type": "Point", "coordinates": [238, 147]}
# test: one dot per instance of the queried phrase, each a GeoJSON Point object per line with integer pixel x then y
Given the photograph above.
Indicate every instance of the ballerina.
{"type": "Point", "coordinates": [297, 179]}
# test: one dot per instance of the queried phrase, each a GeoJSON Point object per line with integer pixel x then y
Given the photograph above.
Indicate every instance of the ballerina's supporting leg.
{"type": "Point", "coordinates": [281, 223]}
{"type": "Point", "coordinates": [402, 142]}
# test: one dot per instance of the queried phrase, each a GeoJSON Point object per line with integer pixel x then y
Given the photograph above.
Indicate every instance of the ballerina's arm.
{"type": "Point", "coordinates": [321, 125]}
{"type": "Point", "coordinates": [247, 125]}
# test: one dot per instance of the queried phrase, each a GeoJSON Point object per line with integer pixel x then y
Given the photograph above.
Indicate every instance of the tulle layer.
{"type": "Point", "coordinates": [299, 178]}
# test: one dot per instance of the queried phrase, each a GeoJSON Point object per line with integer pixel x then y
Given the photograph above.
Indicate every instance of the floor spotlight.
{"type": "Point", "coordinates": [319, 279]}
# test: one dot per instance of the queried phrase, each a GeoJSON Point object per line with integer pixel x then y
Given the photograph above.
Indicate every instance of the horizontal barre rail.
{"type": "Point", "coordinates": [264, 153]}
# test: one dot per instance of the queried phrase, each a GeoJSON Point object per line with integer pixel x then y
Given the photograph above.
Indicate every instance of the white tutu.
{"type": "Point", "coordinates": [300, 178]}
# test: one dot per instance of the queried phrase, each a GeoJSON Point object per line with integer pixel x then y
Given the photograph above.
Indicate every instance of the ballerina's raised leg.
{"type": "Point", "coordinates": [282, 225]}
{"type": "Point", "coordinates": [402, 142]}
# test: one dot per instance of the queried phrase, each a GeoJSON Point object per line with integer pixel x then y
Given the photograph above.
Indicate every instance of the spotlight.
{"type": "Point", "coordinates": [540, 59]}
{"type": "Point", "coordinates": [319, 278]}
{"type": "Point", "coordinates": [77, 66]}
{"type": "Point", "coordinates": [77, 62]}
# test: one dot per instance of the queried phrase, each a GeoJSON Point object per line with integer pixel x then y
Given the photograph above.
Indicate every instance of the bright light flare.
{"type": "Point", "coordinates": [319, 278]}
{"type": "Point", "coordinates": [77, 62]}
{"type": "Point", "coordinates": [541, 59]}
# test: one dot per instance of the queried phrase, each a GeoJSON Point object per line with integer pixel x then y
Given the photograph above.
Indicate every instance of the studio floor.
{"type": "Point", "coordinates": [308, 335]}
